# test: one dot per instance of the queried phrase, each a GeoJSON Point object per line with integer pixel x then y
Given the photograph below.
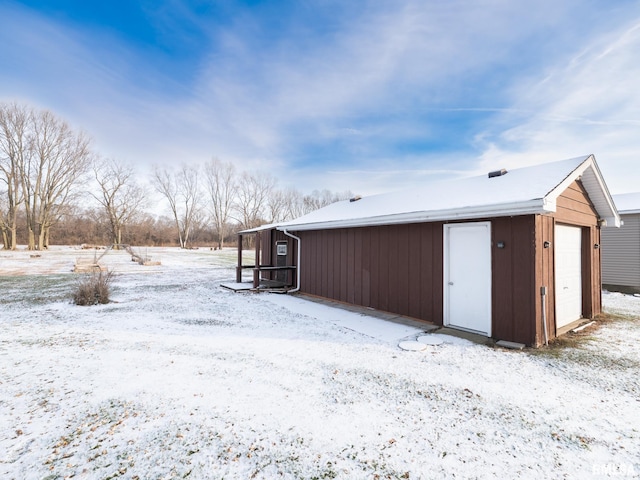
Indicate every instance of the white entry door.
{"type": "Point", "coordinates": [568, 274]}
{"type": "Point", "coordinates": [467, 276]}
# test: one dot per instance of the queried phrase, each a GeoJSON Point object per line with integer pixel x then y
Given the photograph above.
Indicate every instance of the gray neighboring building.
{"type": "Point", "coordinates": [621, 247]}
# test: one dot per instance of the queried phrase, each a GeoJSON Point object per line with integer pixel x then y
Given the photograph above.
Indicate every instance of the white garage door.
{"type": "Point", "coordinates": [568, 274]}
{"type": "Point", "coordinates": [467, 271]}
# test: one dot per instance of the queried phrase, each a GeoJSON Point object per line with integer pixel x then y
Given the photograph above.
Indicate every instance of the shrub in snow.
{"type": "Point", "coordinates": [93, 289]}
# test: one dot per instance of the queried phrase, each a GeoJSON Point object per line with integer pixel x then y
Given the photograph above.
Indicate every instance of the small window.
{"type": "Point", "coordinates": [281, 248]}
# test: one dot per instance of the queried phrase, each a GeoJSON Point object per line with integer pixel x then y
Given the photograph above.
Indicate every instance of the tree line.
{"type": "Point", "coordinates": [53, 183]}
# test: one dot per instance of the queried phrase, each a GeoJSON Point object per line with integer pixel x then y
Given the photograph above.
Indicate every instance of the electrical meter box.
{"type": "Point", "coordinates": [281, 261]}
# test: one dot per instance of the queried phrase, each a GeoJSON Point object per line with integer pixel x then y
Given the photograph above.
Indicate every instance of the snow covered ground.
{"type": "Point", "coordinates": [179, 378]}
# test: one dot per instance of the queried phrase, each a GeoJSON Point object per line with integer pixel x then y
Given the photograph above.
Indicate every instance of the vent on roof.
{"type": "Point", "coordinates": [355, 199]}
{"type": "Point", "coordinates": [498, 173]}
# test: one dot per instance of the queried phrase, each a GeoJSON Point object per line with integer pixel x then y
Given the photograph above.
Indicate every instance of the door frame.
{"type": "Point", "coordinates": [446, 272]}
{"type": "Point", "coordinates": [579, 228]}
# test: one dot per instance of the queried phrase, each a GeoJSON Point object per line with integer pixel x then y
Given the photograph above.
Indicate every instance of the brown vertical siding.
{"type": "Point", "coordinates": [366, 267]}
{"type": "Point", "coordinates": [415, 277]}
{"type": "Point", "coordinates": [431, 271]}
{"type": "Point", "coordinates": [591, 268]}
{"type": "Point", "coordinates": [403, 259]}
{"type": "Point", "coordinates": [350, 262]}
{"type": "Point", "coordinates": [383, 269]}
{"type": "Point", "coordinates": [334, 277]}
{"type": "Point", "coordinates": [324, 266]}
{"type": "Point", "coordinates": [344, 267]}
{"type": "Point", "coordinates": [395, 268]}
{"type": "Point", "coordinates": [374, 271]}
{"type": "Point", "coordinates": [545, 276]}
{"type": "Point", "coordinates": [513, 297]}
{"type": "Point", "coordinates": [502, 304]}
{"type": "Point", "coordinates": [358, 269]}
{"type": "Point", "coordinates": [393, 248]}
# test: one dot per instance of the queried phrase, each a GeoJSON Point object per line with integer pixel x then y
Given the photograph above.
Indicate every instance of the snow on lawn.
{"type": "Point", "coordinates": [179, 378]}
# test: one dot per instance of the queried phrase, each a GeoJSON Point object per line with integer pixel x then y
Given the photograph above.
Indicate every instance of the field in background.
{"type": "Point", "coordinates": [61, 259]}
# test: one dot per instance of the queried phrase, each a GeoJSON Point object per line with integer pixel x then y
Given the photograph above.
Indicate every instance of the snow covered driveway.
{"type": "Point", "coordinates": [179, 378]}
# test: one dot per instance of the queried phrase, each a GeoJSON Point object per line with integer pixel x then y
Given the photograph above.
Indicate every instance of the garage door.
{"type": "Point", "coordinates": [568, 274]}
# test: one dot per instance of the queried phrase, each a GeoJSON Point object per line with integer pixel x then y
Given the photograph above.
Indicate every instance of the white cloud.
{"type": "Point", "coordinates": [589, 103]}
{"type": "Point", "coordinates": [261, 97]}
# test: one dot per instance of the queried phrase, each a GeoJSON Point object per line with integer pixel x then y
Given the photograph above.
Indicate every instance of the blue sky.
{"type": "Point", "coordinates": [367, 96]}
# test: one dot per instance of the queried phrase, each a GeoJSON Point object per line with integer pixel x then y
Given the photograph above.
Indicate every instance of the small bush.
{"type": "Point", "coordinates": [93, 289]}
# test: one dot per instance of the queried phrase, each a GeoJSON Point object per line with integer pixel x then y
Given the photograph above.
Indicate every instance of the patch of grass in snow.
{"type": "Point", "coordinates": [592, 355]}
{"type": "Point", "coordinates": [615, 317]}
{"type": "Point", "coordinates": [35, 289]}
{"type": "Point", "coordinates": [578, 346]}
{"type": "Point", "coordinates": [123, 439]}
{"type": "Point", "coordinates": [208, 322]}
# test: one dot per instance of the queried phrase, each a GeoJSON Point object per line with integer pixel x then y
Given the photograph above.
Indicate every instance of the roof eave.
{"type": "Point", "coordinates": [537, 206]}
{"type": "Point", "coordinates": [268, 226]}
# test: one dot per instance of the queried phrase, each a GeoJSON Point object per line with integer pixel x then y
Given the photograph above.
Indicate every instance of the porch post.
{"type": "Point", "coordinates": [256, 269]}
{"type": "Point", "coordinates": [239, 267]}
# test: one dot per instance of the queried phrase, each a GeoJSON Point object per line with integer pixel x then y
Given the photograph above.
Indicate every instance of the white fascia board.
{"type": "Point", "coordinates": [569, 179]}
{"type": "Point", "coordinates": [530, 207]}
{"type": "Point", "coordinates": [603, 199]}
{"type": "Point", "coordinates": [257, 229]}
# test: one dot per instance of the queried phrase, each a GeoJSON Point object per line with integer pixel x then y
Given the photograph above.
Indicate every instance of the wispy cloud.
{"type": "Point", "coordinates": [327, 93]}
{"type": "Point", "coordinates": [589, 103]}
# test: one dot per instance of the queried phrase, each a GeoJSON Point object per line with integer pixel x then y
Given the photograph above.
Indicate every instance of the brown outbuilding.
{"type": "Point", "coordinates": [512, 255]}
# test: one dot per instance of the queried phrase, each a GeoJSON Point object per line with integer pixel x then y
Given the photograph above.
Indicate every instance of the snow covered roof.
{"type": "Point", "coordinates": [627, 203]}
{"type": "Point", "coordinates": [529, 190]}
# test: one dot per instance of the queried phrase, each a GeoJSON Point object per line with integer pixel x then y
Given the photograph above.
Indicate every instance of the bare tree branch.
{"type": "Point", "coordinates": [120, 196]}
{"type": "Point", "coordinates": [221, 185]}
{"type": "Point", "coordinates": [253, 193]}
{"type": "Point", "coordinates": [181, 189]}
{"type": "Point", "coordinates": [14, 131]}
{"type": "Point", "coordinates": [54, 162]}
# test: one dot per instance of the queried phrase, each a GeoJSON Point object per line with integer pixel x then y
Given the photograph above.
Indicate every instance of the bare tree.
{"type": "Point", "coordinates": [119, 195]}
{"type": "Point", "coordinates": [319, 199]}
{"type": "Point", "coordinates": [4, 220]}
{"type": "Point", "coordinates": [54, 162]}
{"type": "Point", "coordinates": [14, 133]}
{"type": "Point", "coordinates": [221, 184]}
{"type": "Point", "coordinates": [253, 194]}
{"type": "Point", "coordinates": [276, 206]}
{"type": "Point", "coordinates": [181, 189]}
{"type": "Point", "coordinates": [293, 204]}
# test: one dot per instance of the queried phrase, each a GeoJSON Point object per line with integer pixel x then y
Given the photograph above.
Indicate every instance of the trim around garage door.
{"type": "Point", "coordinates": [568, 274]}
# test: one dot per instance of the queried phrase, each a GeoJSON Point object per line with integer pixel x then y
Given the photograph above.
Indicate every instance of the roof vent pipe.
{"type": "Point", "coordinates": [355, 199]}
{"type": "Point", "coordinates": [498, 173]}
